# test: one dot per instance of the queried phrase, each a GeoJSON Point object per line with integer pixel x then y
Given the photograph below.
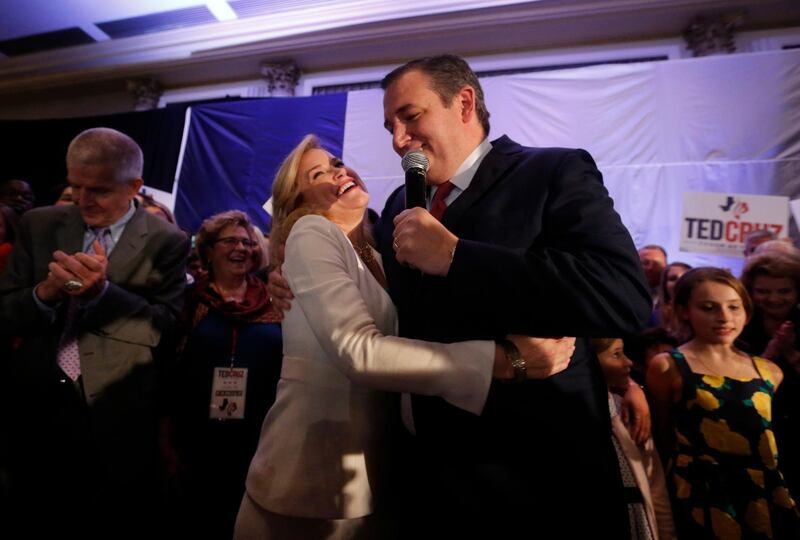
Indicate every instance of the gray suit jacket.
{"type": "Point", "coordinates": [146, 274]}
{"type": "Point", "coordinates": [70, 450]}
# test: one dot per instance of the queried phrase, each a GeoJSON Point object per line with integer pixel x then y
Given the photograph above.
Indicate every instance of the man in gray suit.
{"type": "Point", "coordinates": [90, 293]}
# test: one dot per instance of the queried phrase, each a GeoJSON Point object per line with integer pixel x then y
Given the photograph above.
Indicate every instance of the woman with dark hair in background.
{"type": "Point", "coordinates": [669, 277]}
{"type": "Point", "coordinates": [773, 281]}
{"type": "Point", "coordinates": [151, 205]}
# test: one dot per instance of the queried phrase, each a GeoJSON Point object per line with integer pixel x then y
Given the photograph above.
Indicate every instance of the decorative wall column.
{"type": "Point", "coordinates": [713, 34]}
{"type": "Point", "coordinates": [145, 92]}
{"type": "Point", "coordinates": [281, 78]}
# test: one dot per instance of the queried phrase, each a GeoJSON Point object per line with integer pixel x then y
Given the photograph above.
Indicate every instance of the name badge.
{"type": "Point", "coordinates": [228, 393]}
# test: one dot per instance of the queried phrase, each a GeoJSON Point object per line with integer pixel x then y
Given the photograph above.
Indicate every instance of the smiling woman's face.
{"type": "Point", "coordinates": [232, 254]}
{"type": "Point", "coordinates": [326, 184]}
{"type": "Point", "coordinates": [775, 296]}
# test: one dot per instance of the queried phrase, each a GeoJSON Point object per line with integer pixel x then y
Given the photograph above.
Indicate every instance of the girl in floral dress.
{"type": "Point", "coordinates": [713, 408]}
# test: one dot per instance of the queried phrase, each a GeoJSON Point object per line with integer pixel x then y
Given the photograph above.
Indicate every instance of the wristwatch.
{"type": "Point", "coordinates": [516, 359]}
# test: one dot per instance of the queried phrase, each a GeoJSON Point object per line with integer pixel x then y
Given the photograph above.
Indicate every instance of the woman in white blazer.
{"type": "Point", "coordinates": [319, 461]}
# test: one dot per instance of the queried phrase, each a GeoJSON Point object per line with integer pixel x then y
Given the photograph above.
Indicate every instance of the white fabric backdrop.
{"type": "Point", "coordinates": [725, 123]}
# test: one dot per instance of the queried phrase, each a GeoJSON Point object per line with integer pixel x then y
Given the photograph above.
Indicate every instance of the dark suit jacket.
{"type": "Point", "coordinates": [110, 426]}
{"type": "Point", "coordinates": [541, 252]}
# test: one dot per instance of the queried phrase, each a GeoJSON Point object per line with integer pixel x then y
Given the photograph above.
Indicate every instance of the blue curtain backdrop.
{"type": "Point", "coordinates": [234, 149]}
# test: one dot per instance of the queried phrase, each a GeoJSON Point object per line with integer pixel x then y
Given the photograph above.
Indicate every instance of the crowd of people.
{"type": "Point", "coordinates": [483, 367]}
{"type": "Point", "coordinates": [721, 367]}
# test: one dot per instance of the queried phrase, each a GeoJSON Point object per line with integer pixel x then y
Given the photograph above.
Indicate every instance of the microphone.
{"type": "Point", "coordinates": [415, 164]}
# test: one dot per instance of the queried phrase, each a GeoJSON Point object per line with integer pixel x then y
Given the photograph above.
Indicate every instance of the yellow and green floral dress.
{"type": "Point", "coordinates": [725, 480]}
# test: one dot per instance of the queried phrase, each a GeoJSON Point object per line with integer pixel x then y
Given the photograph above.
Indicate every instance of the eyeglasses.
{"type": "Point", "coordinates": [231, 242]}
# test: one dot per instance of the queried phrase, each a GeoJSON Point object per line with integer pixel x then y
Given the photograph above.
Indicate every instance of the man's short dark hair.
{"type": "Point", "coordinates": [448, 74]}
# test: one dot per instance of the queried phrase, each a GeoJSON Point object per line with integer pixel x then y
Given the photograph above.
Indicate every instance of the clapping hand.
{"type": "Point", "coordinates": [80, 275]}
{"type": "Point", "coordinates": [782, 342]}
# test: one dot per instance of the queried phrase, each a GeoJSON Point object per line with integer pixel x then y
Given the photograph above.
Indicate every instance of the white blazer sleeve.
{"type": "Point", "coordinates": [316, 269]}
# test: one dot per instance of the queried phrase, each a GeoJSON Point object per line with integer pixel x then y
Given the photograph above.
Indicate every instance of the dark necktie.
{"type": "Point", "coordinates": [69, 358]}
{"type": "Point", "coordinates": [438, 206]}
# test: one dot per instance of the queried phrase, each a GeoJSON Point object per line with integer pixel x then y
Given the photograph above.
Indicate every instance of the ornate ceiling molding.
{"type": "Point", "coordinates": [350, 23]}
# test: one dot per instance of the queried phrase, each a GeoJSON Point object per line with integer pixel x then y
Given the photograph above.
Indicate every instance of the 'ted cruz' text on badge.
{"type": "Point", "coordinates": [223, 373]}
{"type": "Point", "coordinates": [730, 231]}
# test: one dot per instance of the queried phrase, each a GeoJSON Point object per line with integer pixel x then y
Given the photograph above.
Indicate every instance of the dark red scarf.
{"type": "Point", "coordinates": [254, 308]}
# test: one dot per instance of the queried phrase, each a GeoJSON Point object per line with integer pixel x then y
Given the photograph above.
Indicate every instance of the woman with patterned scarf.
{"type": "Point", "coordinates": [226, 374]}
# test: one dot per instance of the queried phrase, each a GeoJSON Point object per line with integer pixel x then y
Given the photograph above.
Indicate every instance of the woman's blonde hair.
{"type": "Point", "coordinates": [287, 201]}
{"type": "Point", "coordinates": [286, 196]}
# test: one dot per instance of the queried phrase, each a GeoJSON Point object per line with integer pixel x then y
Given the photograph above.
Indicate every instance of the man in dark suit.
{"type": "Point", "coordinates": [91, 291]}
{"type": "Point", "coordinates": [528, 243]}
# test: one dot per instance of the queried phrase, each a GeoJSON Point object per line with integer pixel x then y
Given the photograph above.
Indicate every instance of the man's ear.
{"type": "Point", "coordinates": [466, 102]}
{"type": "Point", "coordinates": [136, 185]}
